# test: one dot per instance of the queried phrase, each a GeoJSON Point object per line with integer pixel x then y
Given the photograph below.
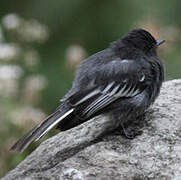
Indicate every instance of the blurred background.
{"type": "Point", "coordinates": [42, 42]}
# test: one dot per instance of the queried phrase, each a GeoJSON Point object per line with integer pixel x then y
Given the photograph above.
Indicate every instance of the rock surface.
{"type": "Point", "coordinates": [85, 153]}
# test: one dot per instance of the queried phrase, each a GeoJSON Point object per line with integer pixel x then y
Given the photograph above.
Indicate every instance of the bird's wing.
{"type": "Point", "coordinates": [115, 80]}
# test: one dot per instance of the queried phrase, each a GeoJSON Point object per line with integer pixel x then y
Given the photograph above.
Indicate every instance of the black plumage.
{"type": "Point", "coordinates": [123, 80]}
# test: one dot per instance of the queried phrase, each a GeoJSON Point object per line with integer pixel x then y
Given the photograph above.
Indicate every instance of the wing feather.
{"type": "Point", "coordinates": [105, 99]}
{"type": "Point", "coordinates": [110, 84]}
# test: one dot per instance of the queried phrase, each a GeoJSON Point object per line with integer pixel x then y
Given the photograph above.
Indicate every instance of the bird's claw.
{"type": "Point", "coordinates": [131, 132]}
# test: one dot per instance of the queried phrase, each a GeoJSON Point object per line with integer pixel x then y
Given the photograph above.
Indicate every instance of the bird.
{"type": "Point", "coordinates": [122, 80]}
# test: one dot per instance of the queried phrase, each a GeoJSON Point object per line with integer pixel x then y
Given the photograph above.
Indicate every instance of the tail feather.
{"type": "Point", "coordinates": [52, 124]}
{"type": "Point", "coordinates": [40, 130]}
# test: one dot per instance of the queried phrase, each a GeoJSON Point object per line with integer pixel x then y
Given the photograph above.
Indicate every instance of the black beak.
{"type": "Point", "coordinates": [159, 42]}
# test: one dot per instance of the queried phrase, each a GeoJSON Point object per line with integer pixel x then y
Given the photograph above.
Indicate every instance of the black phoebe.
{"type": "Point", "coordinates": [123, 80]}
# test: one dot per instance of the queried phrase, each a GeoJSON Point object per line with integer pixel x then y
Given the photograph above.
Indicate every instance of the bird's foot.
{"type": "Point", "coordinates": [131, 132]}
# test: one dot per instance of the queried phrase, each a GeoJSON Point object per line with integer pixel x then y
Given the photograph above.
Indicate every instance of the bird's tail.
{"type": "Point", "coordinates": [41, 129]}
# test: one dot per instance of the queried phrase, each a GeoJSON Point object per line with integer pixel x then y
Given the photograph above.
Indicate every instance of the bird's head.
{"type": "Point", "coordinates": [142, 40]}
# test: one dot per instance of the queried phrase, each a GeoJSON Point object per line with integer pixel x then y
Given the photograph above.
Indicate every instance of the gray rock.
{"type": "Point", "coordinates": [86, 153]}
